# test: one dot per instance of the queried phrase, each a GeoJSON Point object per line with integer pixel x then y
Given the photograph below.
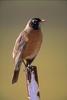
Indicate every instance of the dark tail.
{"type": "Point", "coordinates": [15, 76]}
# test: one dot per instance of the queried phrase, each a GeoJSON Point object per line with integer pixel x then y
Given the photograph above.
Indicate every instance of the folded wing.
{"type": "Point", "coordinates": [19, 47]}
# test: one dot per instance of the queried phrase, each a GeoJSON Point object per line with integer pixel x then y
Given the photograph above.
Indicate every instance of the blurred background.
{"type": "Point", "coordinates": [52, 58]}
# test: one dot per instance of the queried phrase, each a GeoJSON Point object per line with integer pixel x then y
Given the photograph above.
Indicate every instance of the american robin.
{"type": "Point", "coordinates": [27, 45]}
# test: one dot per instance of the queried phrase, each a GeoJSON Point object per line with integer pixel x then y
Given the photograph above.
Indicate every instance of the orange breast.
{"type": "Point", "coordinates": [34, 44]}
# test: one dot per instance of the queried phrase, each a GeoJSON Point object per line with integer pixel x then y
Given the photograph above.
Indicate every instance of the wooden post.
{"type": "Point", "coordinates": [32, 83]}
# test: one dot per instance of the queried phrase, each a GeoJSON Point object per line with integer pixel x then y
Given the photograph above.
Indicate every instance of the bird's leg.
{"type": "Point", "coordinates": [26, 64]}
{"type": "Point", "coordinates": [29, 62]}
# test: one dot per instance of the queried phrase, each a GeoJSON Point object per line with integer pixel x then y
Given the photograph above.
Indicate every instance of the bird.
{"type": "Point", "coordinates": [27, 46]}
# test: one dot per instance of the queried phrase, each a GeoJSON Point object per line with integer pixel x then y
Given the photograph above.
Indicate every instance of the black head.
{"type": "Point", "coordinates": [35, 23]}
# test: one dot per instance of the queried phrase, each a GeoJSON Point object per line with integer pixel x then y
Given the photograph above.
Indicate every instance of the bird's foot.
{"type": "Point", "coordinates": [27, 68]}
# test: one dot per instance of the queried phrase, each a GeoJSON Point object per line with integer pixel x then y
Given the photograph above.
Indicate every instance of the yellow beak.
{"type": "Point", "coordinates": [43, 20]}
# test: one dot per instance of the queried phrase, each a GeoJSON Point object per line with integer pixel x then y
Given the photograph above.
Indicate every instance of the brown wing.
{"type": "Point", "coordinates": [19, 45]}
{"type": "Point", "coordinates": [17, 52]}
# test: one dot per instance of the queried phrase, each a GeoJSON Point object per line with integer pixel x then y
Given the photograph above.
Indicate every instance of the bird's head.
{"type": "Point", "coordinates": [35, 23]}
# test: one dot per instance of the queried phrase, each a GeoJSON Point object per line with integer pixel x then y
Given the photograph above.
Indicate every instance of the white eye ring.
{"type": "Point", "coordinates": [34, 21]}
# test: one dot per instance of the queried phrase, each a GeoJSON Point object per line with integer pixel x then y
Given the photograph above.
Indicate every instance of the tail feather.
{"type": "Point", "coordinates": [15, 76]}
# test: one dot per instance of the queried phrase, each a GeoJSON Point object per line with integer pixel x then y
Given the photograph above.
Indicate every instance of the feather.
{"type": "Point", "coordinates": [19, 47]}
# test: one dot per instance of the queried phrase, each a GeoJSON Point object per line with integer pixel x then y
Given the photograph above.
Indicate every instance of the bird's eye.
{"type": "Point", "coordinates": [34, 21]}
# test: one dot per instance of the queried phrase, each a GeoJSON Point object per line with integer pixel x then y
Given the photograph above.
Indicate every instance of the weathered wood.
{"type": "Point", "coordinates": [32, 83]}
